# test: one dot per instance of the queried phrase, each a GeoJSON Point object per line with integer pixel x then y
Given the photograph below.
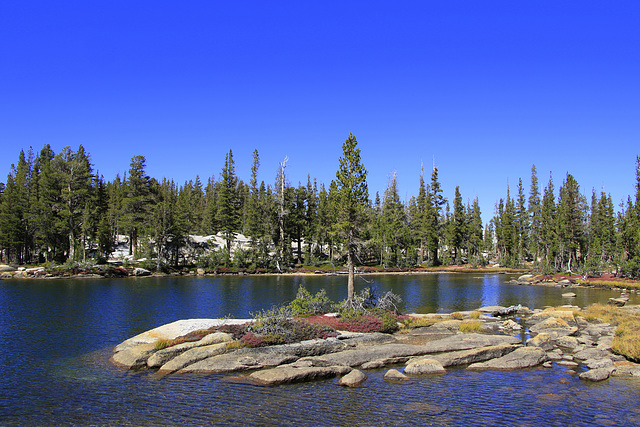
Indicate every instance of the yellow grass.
{"type": "Point", "coordinates": [627, 336]}
{"type": "Point", "coordinates": [471, 326]}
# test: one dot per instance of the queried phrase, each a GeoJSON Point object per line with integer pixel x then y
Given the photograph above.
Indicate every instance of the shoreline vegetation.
{"type": "Point", "coordinates": [56, 209]}
{"type": "Point", "coordinates": [313, 338]}
{"type": "Point", "coordinates": [527, 276]}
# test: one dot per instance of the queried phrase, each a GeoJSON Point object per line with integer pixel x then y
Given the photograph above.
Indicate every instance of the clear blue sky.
{"type": "Point", "coordinates": [487, 89]}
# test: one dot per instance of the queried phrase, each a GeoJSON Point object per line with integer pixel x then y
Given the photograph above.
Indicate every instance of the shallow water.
{"type": "Point", "coordinates": [56, 337]}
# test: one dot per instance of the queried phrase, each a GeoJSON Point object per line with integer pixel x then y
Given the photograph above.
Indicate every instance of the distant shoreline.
{"type": "Point", "coordinates": [604, 281]}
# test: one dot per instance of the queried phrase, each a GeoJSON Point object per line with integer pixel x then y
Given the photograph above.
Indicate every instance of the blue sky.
{"type": "Point", "coordinates": [487, 89]}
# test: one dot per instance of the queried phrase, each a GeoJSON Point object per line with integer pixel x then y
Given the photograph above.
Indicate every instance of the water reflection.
{"type": "Point", "coordinates": [56, 338]}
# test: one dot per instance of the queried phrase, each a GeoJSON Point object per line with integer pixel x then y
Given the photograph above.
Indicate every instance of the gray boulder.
{"type": "Point", "coordinates": [264, 357]}
{"type": "Point", "coordinates": [599, 363]}
{"type": "Point", "coordinates": [567, 363]}
{"type": "Point", "coordinates": [291, 374]}
{"type": "Point", "coordinates": [523, 357]}
{"type": "Point", "coordinates": [596, 374]}
{"type": "Point", "coordinates": [360, 356]}
{"type": "Point", "coordinates": [354, 378]}
{"type": "Point", "coordinates": [466, 357]}
{"type": "Point", "coordinates": [7, 268]}
{"type": "Point", "coordinates": [381, 363]}
{"type": "Point", "coordinates": [187, 357]}
{"type": "Point", "coordinates": [542, 340]}
{"type": "Point", "coordinates": [138, 271]}
{"type": "Point", "coordinates": [567, 342]}
{"type": "Point", "coordinates": [618, 302]}
{"type": "Point", "coordinates": [467, 342]}
{"type": "Point", "coordinates": [424, 365]}
{"type": "Point", "coordinates": [592, 353]}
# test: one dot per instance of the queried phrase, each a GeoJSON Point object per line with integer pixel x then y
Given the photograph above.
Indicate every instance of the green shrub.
{"type": "Point", "coordinates": [306, 304]}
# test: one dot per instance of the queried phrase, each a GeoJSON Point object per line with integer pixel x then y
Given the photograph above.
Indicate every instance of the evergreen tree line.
{"type": "Point", "coordinates": [57, 208]}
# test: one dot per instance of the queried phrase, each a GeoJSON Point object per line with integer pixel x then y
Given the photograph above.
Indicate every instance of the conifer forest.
{"type": "Point", "coordinates": [55, 208]}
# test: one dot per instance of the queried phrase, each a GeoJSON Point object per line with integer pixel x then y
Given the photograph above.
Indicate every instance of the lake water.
{"type": "Point", "coordinates": [56, 337]}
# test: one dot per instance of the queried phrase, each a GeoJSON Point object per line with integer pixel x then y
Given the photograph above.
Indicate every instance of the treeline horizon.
{"type": "Point", "coordinates": [54, 207]}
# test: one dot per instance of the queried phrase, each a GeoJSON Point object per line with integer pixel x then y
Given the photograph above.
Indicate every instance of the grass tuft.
{"type": "Point", "coordinates": [471, 326]}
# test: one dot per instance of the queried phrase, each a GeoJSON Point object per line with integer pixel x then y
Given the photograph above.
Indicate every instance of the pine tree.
{"type": "Point", "coordinates": [353, 198]}
{"type": "Point", "coordinates": [228, 214]}
{"type": "Point", "coordinates": [136, 203]}
{"type": "Point", "coordinates": [534, 210]}
{"type": "Point", "coordinates": [571, 208]}
{"type": "Point", "coordinates": [421, 216]}
{"type": "Point", "coordinates": [311, 216]}
{"type": "Point", "coordinates": [393, 222]}
{"type": "Point", "coordinates": [74, 169]}
{"type": "Point", "coordinates": [458, 225]}
{"type": "Point", "coordinates": [522, 223]}
{"type": "Point", "coordinates": [475, 230]}
{"type": "Point", "coordinates": [433, 210]}
{"type": "Point", "coordinates": [253, 204]}
{"type": "Point", "coordinates": [548, 225]}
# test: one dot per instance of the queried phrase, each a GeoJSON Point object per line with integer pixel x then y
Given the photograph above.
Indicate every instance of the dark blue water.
{"type": "Point", "coordinates": [56, 337]}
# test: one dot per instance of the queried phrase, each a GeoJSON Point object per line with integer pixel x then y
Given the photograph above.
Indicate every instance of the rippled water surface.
{"type": "Point", "coordinates": [56, 337]}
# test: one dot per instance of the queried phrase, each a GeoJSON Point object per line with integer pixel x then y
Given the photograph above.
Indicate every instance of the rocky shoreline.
{"type": "Point", "coordinates": [554, 336]}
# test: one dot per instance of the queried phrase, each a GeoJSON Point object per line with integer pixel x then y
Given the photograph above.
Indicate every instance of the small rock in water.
{"type": "Point", "coordinates": [395, 375]}
{"type": "Point", "coordinates": [353, 378]}
{"type": "Point", "coordinates": [600, 374]}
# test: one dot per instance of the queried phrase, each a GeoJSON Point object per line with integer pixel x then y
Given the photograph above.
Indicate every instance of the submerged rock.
{"type": "Point", "coordinates": [395, 375]}
{"type": "Point", "coordinates": [134, 357]}
{"type": "Point", "coordinates": [289, 374]}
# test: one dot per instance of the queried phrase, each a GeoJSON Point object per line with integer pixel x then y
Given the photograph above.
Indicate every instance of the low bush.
{"type": "Point", "coordinates": [373, 321]}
